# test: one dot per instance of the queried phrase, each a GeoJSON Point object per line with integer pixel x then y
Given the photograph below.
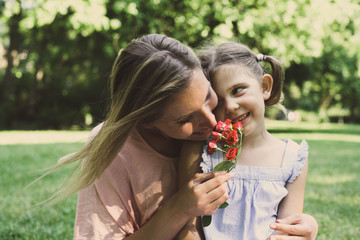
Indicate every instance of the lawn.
{"type": "Point", "coordinates": [333, 184]}
{"type": "Point", "coordinates": [332, 192]}
{"type": "Point", "coordinates": [20, 163]}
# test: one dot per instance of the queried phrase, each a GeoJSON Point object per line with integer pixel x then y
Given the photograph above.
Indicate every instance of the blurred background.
{"type": "Point", "coordinates": [55, 61]}
{"type": "Point", "coordinates": [56, 56]}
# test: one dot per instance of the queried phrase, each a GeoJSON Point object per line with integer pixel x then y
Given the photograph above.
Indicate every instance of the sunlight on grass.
{"type": "Point", "coordinates": [320, 136]}
{"type": "Point", "coordinates": [314, 131]}
{"type": "Point", "coordinates": [321, 179]}
{"type": "Point", "coordinates": [39, 137]}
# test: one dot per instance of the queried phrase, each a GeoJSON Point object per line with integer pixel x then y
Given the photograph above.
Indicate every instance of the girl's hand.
{"type": "Point", "coordinates": [295, 226]}
{"type": "Point", "coordinates": [203, 194]}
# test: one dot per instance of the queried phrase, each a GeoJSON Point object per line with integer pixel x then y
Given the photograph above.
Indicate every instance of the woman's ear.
{"type": "Point", "coordinates": [267, 84]}
{"type": "Point", "coordinates": [147, 125]}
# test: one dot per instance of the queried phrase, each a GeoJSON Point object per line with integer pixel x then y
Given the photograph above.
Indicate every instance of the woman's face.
{"type": "Point", "coordinates": [188, 116]}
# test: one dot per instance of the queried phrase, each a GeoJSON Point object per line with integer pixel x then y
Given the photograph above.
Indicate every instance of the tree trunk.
{"type": "Point", "coordinates": [8, 84]}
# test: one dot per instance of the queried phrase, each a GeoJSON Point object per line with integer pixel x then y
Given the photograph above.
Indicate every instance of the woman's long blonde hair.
{"type": "Point", "coordinates": [145, 75]}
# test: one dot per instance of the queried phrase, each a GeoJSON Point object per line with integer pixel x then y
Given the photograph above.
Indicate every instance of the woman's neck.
{"type": "Point", "coordinates": [159, 142]}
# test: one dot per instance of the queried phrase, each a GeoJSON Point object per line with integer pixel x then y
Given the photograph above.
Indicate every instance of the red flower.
{"type": "Point", "coordinates": [216, 136]}
{"type": "Point", "coordinates": [231, 154]}
{"type": "Point", "coordinates": [232, 138]}
{"type": "Point", "coordinates": [237, 125]}
{"type": "Point", "coordinates": [227, 125]}
{"type": "Point", "coordinates": [220, 126]}
{"type": "Point", "coordinates": [225, 134]}
{"type": "Point", "coordinates": [211, 147]}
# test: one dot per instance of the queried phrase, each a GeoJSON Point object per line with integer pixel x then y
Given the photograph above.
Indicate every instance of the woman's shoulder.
{"type": "Point", "coordinates": [94, 132]}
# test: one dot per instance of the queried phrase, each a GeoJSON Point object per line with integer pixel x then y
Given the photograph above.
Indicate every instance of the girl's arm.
{"type": "Point", "coordinates": [294, 201]}
{"type": "Point", "coordinates": [291, 207]}
{"type": "Point", "coordinates": [188, 166]}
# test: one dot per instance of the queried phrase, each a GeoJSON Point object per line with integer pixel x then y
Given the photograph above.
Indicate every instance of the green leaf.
{"type": "Point", "coordinates": [224, 205]}
{"type": "Point", "coordinates": [224, 166]}
{"type": "Point", "coordinates": [206, 220]}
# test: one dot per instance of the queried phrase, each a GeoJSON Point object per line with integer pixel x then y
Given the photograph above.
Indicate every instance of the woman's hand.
{"type": "Point", "coordinates": [296, 227]}
{"type": "Point", "coordinates": [203, 194]}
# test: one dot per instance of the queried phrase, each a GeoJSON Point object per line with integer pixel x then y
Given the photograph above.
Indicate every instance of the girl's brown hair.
{"type": "Point", "coordinates": [213, 57]}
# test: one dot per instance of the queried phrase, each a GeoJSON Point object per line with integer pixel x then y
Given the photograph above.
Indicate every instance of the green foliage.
{"type": "Point", "coordinates": [206, 220]}
{"type": "Point", "coordinates": [58, 54]}
{"type": "Point", "coordinates": [225, 166]}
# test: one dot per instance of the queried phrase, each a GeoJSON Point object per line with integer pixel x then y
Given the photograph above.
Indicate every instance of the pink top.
{"type": "Point", "coordinates": [127, 194]}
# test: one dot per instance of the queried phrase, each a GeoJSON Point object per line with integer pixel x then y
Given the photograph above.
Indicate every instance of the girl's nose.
{"type": "Point", "coordinates": [230, 106]}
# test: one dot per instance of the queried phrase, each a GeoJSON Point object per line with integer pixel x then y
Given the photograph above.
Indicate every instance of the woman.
{"type": "Point", "coordinates": [127, 181]}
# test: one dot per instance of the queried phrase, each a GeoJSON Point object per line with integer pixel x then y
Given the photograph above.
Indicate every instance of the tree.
{"type": "Point", "coordinates": [58, 54]}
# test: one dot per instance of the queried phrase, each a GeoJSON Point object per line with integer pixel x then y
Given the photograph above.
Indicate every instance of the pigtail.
{"type": "Point", "coordinates": [277, 74]}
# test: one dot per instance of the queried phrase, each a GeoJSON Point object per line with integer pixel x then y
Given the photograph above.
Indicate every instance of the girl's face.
{"type": "Point", "coordinates": [189, 115]}
{"type": "Point", "coordinates": [241, 96]}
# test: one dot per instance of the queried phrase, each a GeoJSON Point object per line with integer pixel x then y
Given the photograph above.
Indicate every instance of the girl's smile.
{"type": "Point", "coordinates": [242, 118]}
{"type": "Point", "coordinates": [241, 97]}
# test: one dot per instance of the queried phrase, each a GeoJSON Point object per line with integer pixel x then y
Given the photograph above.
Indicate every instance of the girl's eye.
{"type": "Point", "coordinates": [237, 90]}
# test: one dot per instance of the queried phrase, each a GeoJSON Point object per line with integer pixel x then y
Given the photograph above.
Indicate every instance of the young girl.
{"type": "Point", "coordinates": [270, 176]}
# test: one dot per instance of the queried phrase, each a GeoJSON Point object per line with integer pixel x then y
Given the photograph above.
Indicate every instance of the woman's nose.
{"type": "Point", "coordinates": [208, 118]}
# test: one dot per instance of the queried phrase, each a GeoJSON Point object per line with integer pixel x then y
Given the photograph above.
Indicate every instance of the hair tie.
{"type": "Point", "coordinates": [260, 57]}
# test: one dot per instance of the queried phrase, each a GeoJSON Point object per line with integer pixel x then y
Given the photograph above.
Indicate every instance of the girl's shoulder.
{"type": "Point", "coordinates": [295, 158]}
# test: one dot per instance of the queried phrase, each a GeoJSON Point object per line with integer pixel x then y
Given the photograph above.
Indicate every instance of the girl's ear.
{"type": "Point", "coordinates": [267, 84]}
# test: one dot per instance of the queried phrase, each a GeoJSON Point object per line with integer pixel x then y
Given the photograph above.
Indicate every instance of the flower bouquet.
{"type": "Point", "coordinates": [230, 137]}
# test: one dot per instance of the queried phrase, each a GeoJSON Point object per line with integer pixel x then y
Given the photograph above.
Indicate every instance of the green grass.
{"type": "Point", "coordinates": [19, 219]}
{"type": "Point", "coordinates": [332, 192]}
{"type": "Point", "coordinates": [333, 183]}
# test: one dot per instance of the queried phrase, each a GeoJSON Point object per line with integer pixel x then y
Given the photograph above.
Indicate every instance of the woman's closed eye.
{"type": "Point", "coordinates": [186, 119]}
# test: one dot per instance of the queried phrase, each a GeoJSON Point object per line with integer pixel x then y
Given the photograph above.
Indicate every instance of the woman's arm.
{"type": "Point", "coordinates": [188, 166]}
{"type": "Point", "coordinates": [202, 195]}
{"type": "Point", "coordinates": [189, 161]}
{"type": "Point", "coordinates": [296, 225]}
